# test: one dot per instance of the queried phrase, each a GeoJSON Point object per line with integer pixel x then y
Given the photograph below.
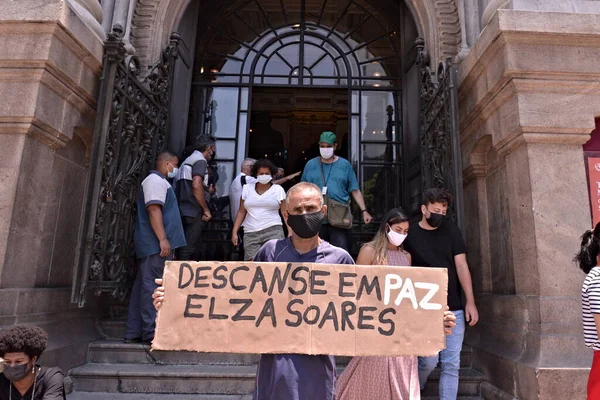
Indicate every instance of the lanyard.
{"type": "Point", "coordinates": [32, 393]}
{"type": "Point", "coordinates": [323, 173]}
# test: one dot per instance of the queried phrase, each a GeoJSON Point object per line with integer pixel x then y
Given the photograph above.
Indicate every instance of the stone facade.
{"type": "Point", "coordinates": [50, 63]}
{"type": "Point", "coordinates": [528, 98]}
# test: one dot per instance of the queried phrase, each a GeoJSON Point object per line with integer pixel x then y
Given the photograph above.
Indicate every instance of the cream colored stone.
{"type": "Point", "coordinates": [567, 383]}
{"type": "Point", "coordinates": [558, 224]}
{"type": "Point", "coordinates": [12, 150]}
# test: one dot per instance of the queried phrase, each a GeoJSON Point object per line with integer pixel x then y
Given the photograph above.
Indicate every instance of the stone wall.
{"type": "Point", "coordinates": [528, 97]}
{"type": "Point", "coordinates": [50, 63]}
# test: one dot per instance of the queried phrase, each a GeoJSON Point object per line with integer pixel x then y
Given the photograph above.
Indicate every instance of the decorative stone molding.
{"type": "Point", "coordinates": [85, 135]}
{"type": "Point", "coordinates": [142, 26]}
{"type": "Point", "coordinates": [448, 28]}
{"type": "Point", "coordinates": [491, 9]}
{"type": "Point", "coordinates": [438, 22]}
{"type": "Point", "coordinates": [90, 13]}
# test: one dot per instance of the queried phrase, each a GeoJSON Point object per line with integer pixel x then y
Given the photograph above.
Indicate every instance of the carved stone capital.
{"type": "Point", "coordinates": [90, 13]}
{"type": "Point", "coordinates": [490, 10]}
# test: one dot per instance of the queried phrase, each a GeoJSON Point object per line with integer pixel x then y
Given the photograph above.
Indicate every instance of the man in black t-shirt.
{"type": "Point", "coordinates": [437, 242]}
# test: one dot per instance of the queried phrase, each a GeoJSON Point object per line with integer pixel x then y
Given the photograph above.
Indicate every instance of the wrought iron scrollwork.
{"type": "Point", "coordinates": [439, 130]}
{"type": "Point", "coordinates": [131, 128]}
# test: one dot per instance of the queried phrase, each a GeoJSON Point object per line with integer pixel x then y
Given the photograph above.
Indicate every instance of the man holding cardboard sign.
{"type": "Point", "coordinates": [300, 296]}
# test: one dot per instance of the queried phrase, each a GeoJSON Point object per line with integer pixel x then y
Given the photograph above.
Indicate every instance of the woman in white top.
{"type": "Point", "coordinates": [260, 205]}
{"type": "Point", "coordinates": [587, 258]}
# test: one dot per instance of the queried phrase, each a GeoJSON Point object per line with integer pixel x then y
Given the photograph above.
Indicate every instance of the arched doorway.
{"type": "Point", "coordinates": [296, 68]}
{"type": "Point", "coordinates": [288, 69]}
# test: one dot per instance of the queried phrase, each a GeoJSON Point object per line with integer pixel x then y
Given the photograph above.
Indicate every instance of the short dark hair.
{"type": "Point", "coordinates": [205, 142]}
{"type": "Point", "coordinates": [437, 195]}
{"type": "Point", "coordinates": [264, 163]}
{"type": "Point", "coordinates": [165, 156]}
{"type": "Point", "coordinates": [588, 252]}
{"type": "Point", "coordinates": [28, 339]}
{"type": "Point", "coordinates": [201, 144]}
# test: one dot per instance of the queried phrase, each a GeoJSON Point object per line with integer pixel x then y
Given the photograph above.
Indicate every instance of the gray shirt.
{"type": "Point", "coordinates": [194, 165]}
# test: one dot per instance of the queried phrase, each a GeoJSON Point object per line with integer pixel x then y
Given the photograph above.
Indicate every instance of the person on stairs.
{"type": "Point", "coordinates": [437, 242]}
{"type": "Point", "coordinates": [296, 376]}
{"type": "Point", "coordinates": [259, 212]}
{"type": "Point", "coordinates": [385, 378]}
{"type": "Point", "coordinates": [157, 233]}
{"type": "Point", "coordinates": [336, 179]}
{"type": "Point", "coordinates": [23, 378]}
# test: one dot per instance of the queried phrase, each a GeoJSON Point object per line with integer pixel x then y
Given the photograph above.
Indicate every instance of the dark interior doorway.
{"type": "Point", "coordinates": [286, 123]}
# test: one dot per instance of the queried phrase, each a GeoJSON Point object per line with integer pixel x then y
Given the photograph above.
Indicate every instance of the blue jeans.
{"type": "Point", "coordinates": [450, 361]}
{"type": "Point", "coordinates": [142, 314]}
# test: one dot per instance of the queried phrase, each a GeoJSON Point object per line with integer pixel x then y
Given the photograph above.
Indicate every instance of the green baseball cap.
{"type": "Point", "coordinates": [328, 137]}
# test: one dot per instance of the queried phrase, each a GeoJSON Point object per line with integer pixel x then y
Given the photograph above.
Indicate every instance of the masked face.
{"type": "Point", "coordinates": [17, 372]}
{"type": "Point", "coordinates": [396, 238]}
{"type": "Point", "coordinates": [307, 225]}
{"type": "Point", "coordinates": [326, 152]}
{"type": "Point", "coordinates": [434, 219]}
{"type": "Point", "coordinates": [264, 179]}
{"type": "Point", "coordinates": [211, 153]}
{"type": "Point", "coordinates": [172, 170]}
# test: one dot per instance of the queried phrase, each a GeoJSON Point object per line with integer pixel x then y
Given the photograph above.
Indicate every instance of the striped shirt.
{"type": "Point", "coordinates": [590, 305]}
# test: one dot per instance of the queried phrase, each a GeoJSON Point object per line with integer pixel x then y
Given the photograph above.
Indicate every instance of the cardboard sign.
{"type": "Point", "coordinates": [349, 310]}
{"type": "Point", "coordinates": [594, 182]}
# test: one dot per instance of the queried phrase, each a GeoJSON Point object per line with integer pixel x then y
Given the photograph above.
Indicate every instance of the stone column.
{"type": "Point", "coordinates": [50, 63]}
{"type": "Point", "coordinates": [528, 97]}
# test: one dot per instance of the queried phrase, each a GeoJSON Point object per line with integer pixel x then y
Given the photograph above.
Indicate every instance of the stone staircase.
{"type": "Point", "coordinates": [132, 372]}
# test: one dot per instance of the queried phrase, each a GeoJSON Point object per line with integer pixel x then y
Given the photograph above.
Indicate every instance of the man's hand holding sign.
{"type": "Point", "coordinates": [302, 308]}
{"type": "Point", "coordinates": [302, 296]}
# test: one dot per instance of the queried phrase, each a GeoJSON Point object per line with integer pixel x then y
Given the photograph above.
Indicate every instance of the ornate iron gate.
{"type": "Point", "coordinates": [131, 129]}
{"type": "Point", "coordinates": [441, 163]}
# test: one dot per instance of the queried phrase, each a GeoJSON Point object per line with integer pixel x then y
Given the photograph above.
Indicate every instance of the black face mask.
{"type": "Point", "coordinates": [16, 373]}
{"type": "Point", "coordinates": [306, 226]}
{"type": "Point", "coordinates": [436, 220]}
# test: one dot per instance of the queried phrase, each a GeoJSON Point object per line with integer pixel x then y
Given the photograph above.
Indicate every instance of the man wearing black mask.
{"type": "Point", "coordinates": [296, 376]}
{"type": "Point", "coordinates": [438, 242]}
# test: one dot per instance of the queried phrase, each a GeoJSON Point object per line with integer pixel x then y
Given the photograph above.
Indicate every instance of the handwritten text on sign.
{"type": "Point", "coordinates": [302, 308]}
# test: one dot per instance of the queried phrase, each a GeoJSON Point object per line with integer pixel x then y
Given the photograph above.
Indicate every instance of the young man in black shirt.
{"type": "Point", "coordinates": [437, 242]}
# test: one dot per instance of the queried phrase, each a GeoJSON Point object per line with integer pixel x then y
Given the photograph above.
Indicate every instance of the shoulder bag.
{"type": "Point", "coordinates": [338, 214]}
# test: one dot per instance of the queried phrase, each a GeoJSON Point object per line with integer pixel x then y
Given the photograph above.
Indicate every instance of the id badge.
{"type": "Point", "coordinates": [324, 190]}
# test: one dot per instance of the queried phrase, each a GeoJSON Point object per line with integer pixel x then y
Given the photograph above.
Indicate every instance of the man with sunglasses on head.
{"type": "Point", "coordinates": [437, 242]}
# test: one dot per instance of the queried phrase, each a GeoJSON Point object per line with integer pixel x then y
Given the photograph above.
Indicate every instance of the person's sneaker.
{"type": "Point", "coordinates": [132, 340]}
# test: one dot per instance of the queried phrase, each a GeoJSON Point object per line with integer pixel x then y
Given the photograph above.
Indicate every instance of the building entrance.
{"type": "Point", "coordinates": [286, 123]}
{"type": "Point", "coordinates": [271, 76]}
{"type": "Point", "coordinates": [265, 78]}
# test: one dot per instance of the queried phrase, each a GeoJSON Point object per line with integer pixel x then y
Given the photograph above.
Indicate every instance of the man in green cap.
{"type": "Point", "coordinates": [337, 180]}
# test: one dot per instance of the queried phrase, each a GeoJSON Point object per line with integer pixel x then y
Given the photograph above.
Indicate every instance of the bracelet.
{"type": "Point", "coordinates": [364, 211]}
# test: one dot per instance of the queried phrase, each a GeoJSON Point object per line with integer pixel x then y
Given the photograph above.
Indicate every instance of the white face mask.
{"type": "Point", "coordinates": [172, 174]}
{"type": "Point", "coordinates": [326, 152]}
{"type": "Point", "coordinates": [264, 179]}
{"type": "Point", "coordinates": [396, 238]}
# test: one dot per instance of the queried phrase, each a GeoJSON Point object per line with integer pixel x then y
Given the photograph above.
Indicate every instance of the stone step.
{"type": "Point", "coordinates": [168, 379]}
{"type": "Point", "coordinates": [148, 396]}
{"type": "Point", "coordinates": [112, 328]}
{"type": "Point", "coordinates": [151, 396]}
{"type": "Point", "coordinates": [117, 352]}
{"type": "Point", "coordinates": [437, 398]}
{"type": "Point", "coordinates": [470, 382]}
{"type": "Point", "coordinates": [204, 379]}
